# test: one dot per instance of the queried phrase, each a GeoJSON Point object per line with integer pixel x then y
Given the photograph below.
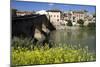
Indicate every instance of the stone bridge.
{"type": "Point", "coordinates": [37, 27]}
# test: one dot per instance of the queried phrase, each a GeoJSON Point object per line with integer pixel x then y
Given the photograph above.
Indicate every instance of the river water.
{"type": "Point", "coordinates": [75, 36]}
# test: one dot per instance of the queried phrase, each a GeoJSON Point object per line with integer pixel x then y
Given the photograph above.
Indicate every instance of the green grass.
{"type": "Point", "coordinates": [45, 55]}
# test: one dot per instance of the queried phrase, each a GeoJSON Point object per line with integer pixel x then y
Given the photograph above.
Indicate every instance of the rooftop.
{"type": "Point", "coordinates": [54, 10]}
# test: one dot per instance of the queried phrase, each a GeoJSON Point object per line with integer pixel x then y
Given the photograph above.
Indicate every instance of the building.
{"type": "Point", "coordinates": [42, 12]}
{"type": "Point", "coordinates": [67, 16]}
{"type": "Point", "coordinates": [74, 16]}
{"type": "Point", "coordinates": [23, 13]}
{"type": "Point", "coordinates": [89, 19]}
{"type": "Point", "coordinates": [55, 17]}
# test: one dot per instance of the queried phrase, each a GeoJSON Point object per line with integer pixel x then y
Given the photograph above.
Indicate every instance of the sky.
{"type": "Point", "coordinates": [36, 6]}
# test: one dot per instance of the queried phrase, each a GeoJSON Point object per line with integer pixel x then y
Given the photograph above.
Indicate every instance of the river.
{"type": "Point", "coordinates": [75, 36]}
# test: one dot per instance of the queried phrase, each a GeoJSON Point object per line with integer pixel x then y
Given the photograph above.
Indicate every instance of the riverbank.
{"type": "Point", "coordinates": [67, 27]}
{"type": "Point", "coordinates": [46, 55]}
{"type": "Point", "coordinates": [74, 27]}
{"type": "Point", "coordinates": [66, 48]}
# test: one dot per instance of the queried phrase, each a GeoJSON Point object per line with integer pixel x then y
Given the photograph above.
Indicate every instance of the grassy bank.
{"type": "Point", "coordinates": [46, 55]}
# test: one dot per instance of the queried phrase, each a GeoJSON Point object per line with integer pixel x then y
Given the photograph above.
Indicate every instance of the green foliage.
{"type": "Point", "coordinates": [21, 42]}
{"type": "Point", "coordinates": [22, 53]}
{"type": "Point", "coordinates": [94, 15]}
{"type": "Point", "coordinates": [80, 21]}
{"type": "Point", "coordinates": [69, 23]}
{"type": "Point", "coordinates": [46, 55]}
{"type": "Point", "coordinates": [13, 12]}
{"type": "Point", "coordinates": [92, 25]}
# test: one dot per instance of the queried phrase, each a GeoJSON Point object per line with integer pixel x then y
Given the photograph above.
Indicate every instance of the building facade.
{"type": "Point", "coordinates": [23, 13]}
{"type": "Point", "coordinates": [55, 17]}
{"type": "Point", "coordinates": [74, 16]}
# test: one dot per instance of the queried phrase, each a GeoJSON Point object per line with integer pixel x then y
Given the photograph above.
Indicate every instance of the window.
{"type": "Point", "coordinates": [73, 20]}
{"type": "Point", "coordinates": [77, 15]}
{"type": "Point", "coordinates": [57, 19]}
{"type": "Point", "coordinates": [81, 15]}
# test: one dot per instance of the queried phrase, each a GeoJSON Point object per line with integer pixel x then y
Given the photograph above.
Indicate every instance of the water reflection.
{"type": "Point", "coordinates": [75, 36]}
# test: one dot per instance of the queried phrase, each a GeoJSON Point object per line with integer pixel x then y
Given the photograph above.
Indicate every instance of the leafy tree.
{"type": "Point", "coordinates": [33, 12]}
{"type": "Point", "coordinates": [94, 15]}
{"type": "Point", "coordinates": [81, 22]}
{"type": "Point", "coordinates": [69, 23]}
{"type": "Point", "coordinates": [13, 12]}
{"type": "Point", "coordinates": [91, 24]}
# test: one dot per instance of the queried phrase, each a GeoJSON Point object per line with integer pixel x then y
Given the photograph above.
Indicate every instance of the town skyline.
{"type": "Point", "coordinates": [37, 6]}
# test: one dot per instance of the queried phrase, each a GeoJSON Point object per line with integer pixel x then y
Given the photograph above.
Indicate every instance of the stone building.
{"type": "Point", "coordinates": [89, 19]}
{"type": "Point", "coordinates": [74, 16]}
{"type": "Point", "coordinates": [55, 17]}
{"type": "Point", "coordinates": [23, 13]}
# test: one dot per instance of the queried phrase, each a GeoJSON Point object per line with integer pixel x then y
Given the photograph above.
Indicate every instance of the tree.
{"type": "Point", "coordinates": [92, 25]}
{"type": "Point", "coordinates": [81, 22]}
{"type": "Point", "coordinates": [13, 12]}
{"type": "Point", "coordinates": [69, 23]}
{"type": "Point", "coordinates": [94, 15]}
{"type": "Point", "coordinates": [33, 12]}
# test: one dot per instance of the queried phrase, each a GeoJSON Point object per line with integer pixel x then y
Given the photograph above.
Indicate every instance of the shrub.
{"type": "Point", "coordinates": [81, 22]}
{"type": "Point", "coordinates": [91, 24]}
{"type": "Point", "coordinates": [21, 55]}
{"type": "Point", "coordinates": [69, 23]}
{"type": "Point", "coordinates": [22, 42]}
{"type": "Point", "coordinates": [46, 55]}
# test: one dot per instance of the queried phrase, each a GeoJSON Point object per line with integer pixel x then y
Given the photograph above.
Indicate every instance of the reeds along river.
{"type": "Point", "coordinates": [82, 36]}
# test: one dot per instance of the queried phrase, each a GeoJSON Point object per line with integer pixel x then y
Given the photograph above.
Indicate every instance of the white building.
{"type": "Point", "coordinates": [59, 18]}
{"type": "Point", "coordinates": [74, 16]}
{"type": "Point", "coordinates": [42, 12]}
{"type": "Point", "coordinates": [89, 19]}
{"type": "Point", "coordinates": [23, 13]}
{"type": "Point", "coordinates": [55, 17]}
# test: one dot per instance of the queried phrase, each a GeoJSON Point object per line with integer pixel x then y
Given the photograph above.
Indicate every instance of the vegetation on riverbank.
{"type": "Point", "coordinates": [45, 55]}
